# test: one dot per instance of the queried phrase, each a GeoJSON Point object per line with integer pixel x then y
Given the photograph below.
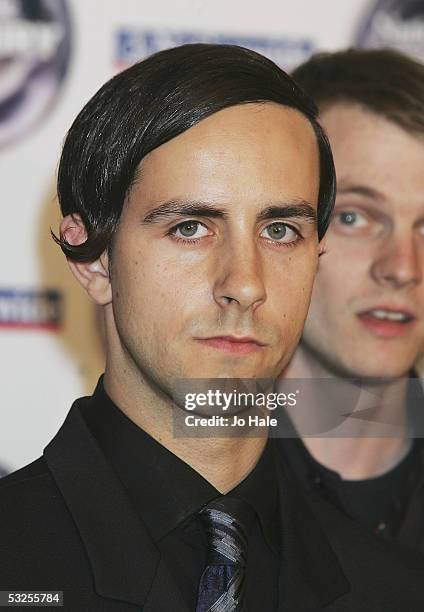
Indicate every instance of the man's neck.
{"type": "Point", "coordinates": [224, 462]}
{"type": "Point", "coordinates": [366, 454]}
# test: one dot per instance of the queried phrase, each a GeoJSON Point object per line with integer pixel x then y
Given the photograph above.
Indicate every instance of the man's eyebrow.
{"type": "Point", "coordinates": [178, 207]}
{"type": "Point", "coordinates": [298, 208]}
{"type": "Point", "coordinates": [361, 190]}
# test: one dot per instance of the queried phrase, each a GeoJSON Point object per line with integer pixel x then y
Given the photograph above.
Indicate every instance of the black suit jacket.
{"type": "Point", "coordinates": [67, 524]}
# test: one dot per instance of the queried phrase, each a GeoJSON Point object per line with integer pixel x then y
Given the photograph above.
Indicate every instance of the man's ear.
{"type": "Point", "coordinates": [92, 275]}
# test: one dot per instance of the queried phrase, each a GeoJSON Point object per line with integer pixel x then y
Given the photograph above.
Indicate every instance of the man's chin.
{"type": "Point", "coordinates": [235, 371]}
{"type": "Point", "coordinates": [377, 369]}
{"type": "Point", "coordinates": [365, 363]}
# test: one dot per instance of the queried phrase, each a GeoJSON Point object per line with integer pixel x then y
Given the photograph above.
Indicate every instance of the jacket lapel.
{"type": "Point", "coordinates": [125, 562]}
{"type": "Point", "coordinates": [164, 594]}
{"type": "Point", "coordinates": [311, 576]}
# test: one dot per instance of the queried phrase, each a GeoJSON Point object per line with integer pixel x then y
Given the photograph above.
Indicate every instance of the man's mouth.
{"type": "Point", "coordinates": [387, 321]}
{"type": "Point", "coordinates": [242, 345]}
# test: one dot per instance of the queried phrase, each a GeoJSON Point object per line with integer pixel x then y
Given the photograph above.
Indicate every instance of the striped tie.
{"type": "Point", "coordinates": [227, 522]}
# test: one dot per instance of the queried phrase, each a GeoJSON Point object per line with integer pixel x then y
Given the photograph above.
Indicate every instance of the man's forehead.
{"type": "Point", "coordinates": [217, 166]}
{"type": "Point", "coordinates": [250, 122]}
{"type": "Point", "coordinates": [354, 122]}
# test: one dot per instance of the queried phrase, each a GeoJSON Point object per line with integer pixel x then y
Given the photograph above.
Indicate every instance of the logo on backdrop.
{"type": "Point", "coordinates": [34, 56]}
{"type": "Point", "coordinates": [394, 23]}
{"type": "Point", "coordinates": [133, 44]}
{"type": "Point", "coordinates": [31, 309]}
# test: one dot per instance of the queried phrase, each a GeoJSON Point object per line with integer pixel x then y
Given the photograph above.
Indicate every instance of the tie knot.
{"type": "Point", "coordinates": [227, 522]}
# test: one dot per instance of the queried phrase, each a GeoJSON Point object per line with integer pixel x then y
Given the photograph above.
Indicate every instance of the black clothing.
{"type": "Point", "coordinates": [380, 503]}
{"type": "Point", "coordinates": [169, 494]}
{"type": "Point", "coordinates": [67, 522]}
{"type": "Point", "coordinates": [391, 505]}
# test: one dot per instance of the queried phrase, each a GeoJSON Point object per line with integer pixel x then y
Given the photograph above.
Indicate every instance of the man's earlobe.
{"type": "Point", "coordinates": [92, 275]}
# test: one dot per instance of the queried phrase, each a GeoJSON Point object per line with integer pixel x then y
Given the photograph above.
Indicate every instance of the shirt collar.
{"type": "Point", "coordinates": [260, 490]}
{"type": "Point", "coordinates": [148, 471]}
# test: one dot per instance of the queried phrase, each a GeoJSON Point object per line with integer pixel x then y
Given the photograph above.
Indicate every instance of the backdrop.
{"type": "Point", "coordinates": [54, 54]}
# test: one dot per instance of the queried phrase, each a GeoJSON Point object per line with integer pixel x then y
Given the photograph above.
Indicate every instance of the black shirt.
{"type": "Point", "coordinates": [378, 503]}
{"type": "Point", "coordinates": [391, 504]}
{"type": "Point", "coordinates": [167, 494]}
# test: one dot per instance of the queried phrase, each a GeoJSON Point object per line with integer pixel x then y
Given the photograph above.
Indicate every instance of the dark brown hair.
{"type": "Point", "coordinates": [149, 104]}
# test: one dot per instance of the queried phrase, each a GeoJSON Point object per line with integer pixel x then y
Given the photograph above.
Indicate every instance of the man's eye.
{"type": "Point", "coordinates": [190, 229]}
{"type": "Point", "coordinates": [351, 219]}
{"type": "Point", "coordinates": [279, 232]}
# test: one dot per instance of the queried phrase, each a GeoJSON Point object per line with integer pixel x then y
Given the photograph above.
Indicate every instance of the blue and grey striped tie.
{"type": "Point", "coordinates": [227, 523]}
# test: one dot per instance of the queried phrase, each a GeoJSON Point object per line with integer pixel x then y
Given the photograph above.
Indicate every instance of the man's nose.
{"type": "Point", "coordinates": [399, 263]}
{"type": "Point", "coordinates": [240, 280]}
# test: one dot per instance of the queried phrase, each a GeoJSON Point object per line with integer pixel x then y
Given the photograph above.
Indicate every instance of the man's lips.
{"type": "Point", "coordinates": [387, 321]}
{"type": "Point", "coordinates": [233, 344]}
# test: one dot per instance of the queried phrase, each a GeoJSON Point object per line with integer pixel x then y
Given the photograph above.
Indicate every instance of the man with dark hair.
{"type": "Point", "coordinates": [366, 322]}
{"type": "Point", "coordinates": [196, 187]}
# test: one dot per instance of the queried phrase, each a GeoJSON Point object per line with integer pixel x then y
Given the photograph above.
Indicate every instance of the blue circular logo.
{"type": "Point", "coordinates": [398, 24]}
{"type": "Point", "coordinates": [34, 56]}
